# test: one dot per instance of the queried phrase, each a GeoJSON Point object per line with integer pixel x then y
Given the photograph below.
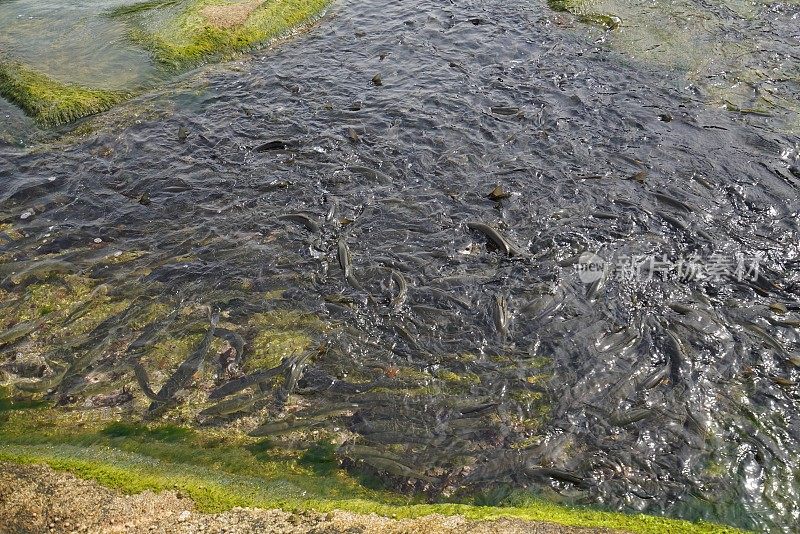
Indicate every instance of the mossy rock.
{"type": "Point", "coordinates": [51, 102]}
{"type": "Point", "coordinates": [183, 34]}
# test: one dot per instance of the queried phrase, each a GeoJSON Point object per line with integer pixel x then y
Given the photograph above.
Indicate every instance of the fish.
{"type": "Point", "coordinates": [284, 426]}
{"type": "Point", "coordinates": [363, 451]}
{"type": "Point", "coordinates": [399, 299]}
{"type": "Point", "coordinates": [656, 377]}
{"type": "Point", "coordinates": [494, 236]}
{"type": "Point", "coordinates": [556, 474]}
{"type": "Point", "coordinates": [345, 261]}
{"type": "Point", "coordinates": [303, 220]}
{"type": "Point", "coordinates": [276, 144]}
{"type": "Point", "coordinates": [83, 308]}
{"type": "Point", "coordinates": [628, 417]}
{"type": "Point", "coordinates": [675, 222]}
{"type": "Point", "coordinates": [506, 111]}
{"type": "Point", "coordinates": [20, 330]}
{"type": "Point", "coordinates": [258, 377]}
{"type": "Point", "coordinates": [234, 338]}
{"type": "Point", "coordinates": [235, 404]}
{"type": "Point", "coordinates": [674, 202]}
{"type": "Point", "coordinates": [151, 333]}
{"type": "Point", "coordinates": [188, 368]}
{"type": "Point", "coordinates": [501, 314]}
{"type": "Point", "coordinates": [45, 384]}
{"type": "Point", "coordinates": [675, 355]}
{"type": "Point", "coordinates": [144, 382]}
{"type": "Point", "coordinates": [498, 193]}
{"type": "Point", "coordinates": [293, 371]}
{"type": "Point", "coordinates": [371, 174]}
{"type": "Point", "coordinates": [393, 467]}
{"type": "Point", "coordinates": [40, 269]}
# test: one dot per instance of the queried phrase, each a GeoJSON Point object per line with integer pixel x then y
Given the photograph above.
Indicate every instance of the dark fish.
{"type": "Point", "coordinates": [505, 111]}
{"type": "Point", "coordinates": [395, 468]}
{"type": "Point", "coordinates": [293, 371]}
{"type": "Point", "coordinates": [501, 314]}
{"type": "Point", "coordinates": [675, 222]}
{"type": "Point", "coordinates": [675, 355]}
{"type": "Point", "coordinates": [498, 193]}
{"type": "Point", "coordinates": [151, 333]}
{"type": "Point", "coordinates": [258, 377]}
{"type": "Point", "coordinates": [86, 305]}
{"type": "Point", "coordinates": [181, 377]}
{"type": "Point", "coordinates": [20, 330]}
{"type": "Point", "coordinates": [345, 262]}
{"type": "Point", "coordinates": [402, 290]}
{"type": "Point", "coordinates": [371, 174]}
{"type": "Point", "coordinates": [303, 220]}
{"type": "Point", "coordinates": [234, 338]}
{"type": "Point", "coordinates": [282, 427]}
{"type": "Point", "coordinates": [40, 270]}
{"type": "Point", "coordinates": [235, 404]}
{"type": "Point", "coordinates": [144, 381]}
{"type": "Point", "coordinates": [556, 474]}
{"type": "Point", "coordinates": [494, 236]}
{"type": "Point", "coordinates": [277, 144]}
{"type": "Point", "coordinates": [674, 202]}
{"type": "Point", "coordinates": [656, 378]}
{"type": "Point", "coordinates": [630, 416]}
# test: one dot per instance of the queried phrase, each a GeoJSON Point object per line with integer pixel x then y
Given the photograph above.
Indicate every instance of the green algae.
{"type": "Point", "coordinates": [51, 102]}
{"type": "Point", "coordinates": [180, 35]}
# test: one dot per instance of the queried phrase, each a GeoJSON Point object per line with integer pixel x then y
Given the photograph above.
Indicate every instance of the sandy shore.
{"type": "Point", "coordinates": [39, 499]}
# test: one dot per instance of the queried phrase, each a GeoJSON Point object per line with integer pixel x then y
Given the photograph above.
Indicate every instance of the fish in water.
{"type": "Point", "coordinates": [301, 219]}
{"type": "Point", "coordinates": [402, 291]}
{"type": "Point", "coordinates": [282, 427]}
{"type": "Point", "coordinates": [371, 174]}
{"type": "Point", "coordinates": [20, 330]}
{"type": "Point", "coordinates": [395, 468]}
{"type": "Point", "coordinates": [498, 193]}
{"type": "Point", "coordinates": [181, 377]}
{"type": "Point", "coordinates": [501, 314]}
{"type": "Point", "coordinates": [46, 383]}
{"type": "Point", "coordinates": [293, 371]}
{"type": "Point", "coordinates": [40, 270]}
{"type": "Point", "coordinates": [258, 377]}
{"type": "Point", "coordinates": [235, 404]}
{"type": "Point", "coordinates": [494, 237]}
{"type": "Point", "coordinates": [151, 333]}
{"type": "Point", "coordinates": [345, 261]}
{"type": "Point", "coordinates": [234, 338]}
{"type": "Point", "coordinates": [628, 417]}
{"type": "Point", "coordinates": [277, 144]}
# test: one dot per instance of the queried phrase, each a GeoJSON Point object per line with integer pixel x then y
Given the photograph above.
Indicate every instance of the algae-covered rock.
{"type": "Point", "coordinates": [181, 34]}
{"type": "Point", "coordinates": [51, 102]}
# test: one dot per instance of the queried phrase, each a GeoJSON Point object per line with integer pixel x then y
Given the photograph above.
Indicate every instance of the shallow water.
{"type": "Point", "coordinates": [74, 42]}
{"type": "Point", "coordinates": [660, 395]}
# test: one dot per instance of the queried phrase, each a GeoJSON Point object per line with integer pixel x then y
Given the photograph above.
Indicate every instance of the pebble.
{"type": "Point", "coordinates": [184, 516]}
{"type": "Point", "coordinates": [98, 240]}
{"type": "Point", "coordinates": [26, 214]}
